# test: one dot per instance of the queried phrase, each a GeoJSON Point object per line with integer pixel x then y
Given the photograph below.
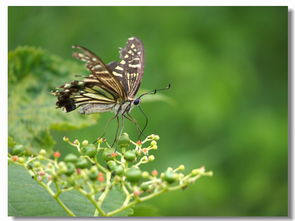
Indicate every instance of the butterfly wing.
{"type": "Point", "coordinates": [101, 90]}
{"type": "Point", "coordinates": [100, 73]}
{"type": "Point", "coordinates": [80, 93]}
{"type": "Point", "coordinates": [130, 69]}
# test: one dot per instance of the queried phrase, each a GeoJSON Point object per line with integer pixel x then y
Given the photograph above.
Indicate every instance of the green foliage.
{"type": "Point", "coordinates": [32, 74]}
{"type": "Point", "coordinates": [113, 189]}
{"type": "Point", "coordinates": [27, 198]}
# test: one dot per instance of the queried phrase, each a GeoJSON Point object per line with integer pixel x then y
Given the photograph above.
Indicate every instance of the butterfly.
{"type": "Point", "coordinates": [109, 87]}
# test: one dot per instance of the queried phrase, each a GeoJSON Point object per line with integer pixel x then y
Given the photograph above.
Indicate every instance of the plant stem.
{"type": "Point", "coordinates": [107, 189]}
{"type": "Point", "coordinates": [56, 197]}
{"type": "Point", "coordinates": [93, 201]}
{"type": "Point", "coordinates": [134, 202]}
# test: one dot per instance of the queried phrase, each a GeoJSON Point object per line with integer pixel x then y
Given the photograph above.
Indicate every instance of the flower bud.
{"type": "Point", "coordinates": [82, 163]}
{"type": "Point", "coordinates": [124, 140]}
{"type": "Point", "coordinates": [42, 152]}
{"type": "Point", "coordinates": [144, 186]}
{"type": "Point", "coordinates": [71, 158]}
{"type": "Point", "coordinates": [90, 150]}
{"type": "Point", "coordinates": [21, 159]}
{"type": "Point", "coordinates": [151, 157]}
{"type": "Point", "coordinates": [145, 174]}
{"type": "Point", "coordinates": [93, 169]}
{"type": "Point", "coordinates": [93, 175]}
{"type": "Point", "coordinates": [36, 164]}
{"type": "Point", "coordinates": [137, 192]}
{"type": "Point", "coordinates": [111, 164]}
{"type": "Point", "coordinates": [56, 154]}
{"type": "Point", "coordinates": [133, 174]}
{"type": "Point", "coordinates": [100, 177]}
{"type": "Point", "coordinates": [85, 142]}
{"type": "Point", "coordinates": [181, 167]}
{"type": "Point", "coordinates": [155, 173]}
{"type": "Point", "coordinates": [119, 170]}
{"type": "Point", "coordinates": [62, 166]}
{"type": "Point", "coordinates": [156, 137]}
{"type": "Point", "coordinates": [70, 169]}
{"type": "Point", "coordinates": [65, 139]}
{"type": "Point", "coordinates": [107, 154]}
{"type": "Point", "coordinates": [153, 143]}
{"type": "Point", "coordinates": [145, 150]}
{"type": "Point", "coordinates": [169, 176]}
{"type": "Point", "coordinates": [130, 155]}
{"type": "Point", "coordinates": [198, 171]}
{"type": "Point", "coordinates": [154, 147]}
{"type": "Point", "coordinates": [14, 158]}
{"type": "Point", "coordinates": [150, 136]}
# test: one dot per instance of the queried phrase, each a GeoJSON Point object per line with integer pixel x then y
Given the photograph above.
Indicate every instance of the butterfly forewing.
{"type": "Point", "coordinates": [130, 69]}
{"type": "Point", "coordinates": [100, 73]}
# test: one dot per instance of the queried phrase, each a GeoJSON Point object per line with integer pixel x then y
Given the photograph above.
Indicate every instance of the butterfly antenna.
{"type": "Point", "coordinates": [155, 91]}
{"type": "Point", "coordinates": [146, 121]}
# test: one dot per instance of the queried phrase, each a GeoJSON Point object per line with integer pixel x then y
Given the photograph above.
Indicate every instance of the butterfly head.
{"type": "Point", "coordinates": [136, 101]}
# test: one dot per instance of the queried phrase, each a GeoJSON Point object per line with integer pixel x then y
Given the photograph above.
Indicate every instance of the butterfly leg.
{"type": "Point", "coordinates": [121, 131]}
{"type": "Point", "coordinates": [146, 120]}
{"type": "Point", "coordinates": [105, 128]}
{"type": "Point", "coordinates": [117, 130]}
{"type": "Point", "coordinates": [129, 117]}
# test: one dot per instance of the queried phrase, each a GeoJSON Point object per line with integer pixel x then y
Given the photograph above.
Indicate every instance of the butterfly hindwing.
{"type": "Point", "coordinates": [79, 93]}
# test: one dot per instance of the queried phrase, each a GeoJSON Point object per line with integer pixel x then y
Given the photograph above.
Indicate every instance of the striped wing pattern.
{"type": "Point", "coordinates": [106, 85]}
{"type": "Point", "coordinates": [100, 72]}
{"type": "Point", "coordinates": [130, 69]}
{"type": "Point", "coordinates": [78, 93]}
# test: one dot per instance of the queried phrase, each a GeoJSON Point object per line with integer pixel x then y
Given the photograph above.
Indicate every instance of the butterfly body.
{"type": "Point", "coordinates": [119, 109]}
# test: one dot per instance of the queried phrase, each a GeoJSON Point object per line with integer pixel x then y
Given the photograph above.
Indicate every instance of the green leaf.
{"type": "Point", "coordinates": [114, 200]}
{"type": "Point", "coordinates": [27, 198]}
{"type": "Point", "coordinates": [33, 73]}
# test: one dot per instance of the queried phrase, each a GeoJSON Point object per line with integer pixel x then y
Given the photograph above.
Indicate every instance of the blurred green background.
{"type": "Point", "coordinates": [228, 105]}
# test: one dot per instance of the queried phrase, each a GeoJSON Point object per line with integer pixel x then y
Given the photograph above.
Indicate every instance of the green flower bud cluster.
{"type": "Point", "coordinates": [93, 169]}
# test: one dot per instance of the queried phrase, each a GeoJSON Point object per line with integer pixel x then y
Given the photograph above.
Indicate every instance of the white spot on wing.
{"type": "Point", "coordinates": [134, 65]}
{"type": "Point", "coordinates": [97, 66]}
{"type": "Point", "coordinates": [117, 74]}
{"type": "Point", "coordinates": [119, 68]}
{"type": "Point", "coordinates": [130, 52]}
{"type": "Point", "coordinates": [123, 62]}
{"type": "Point", "coordinates": [67, 85]}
